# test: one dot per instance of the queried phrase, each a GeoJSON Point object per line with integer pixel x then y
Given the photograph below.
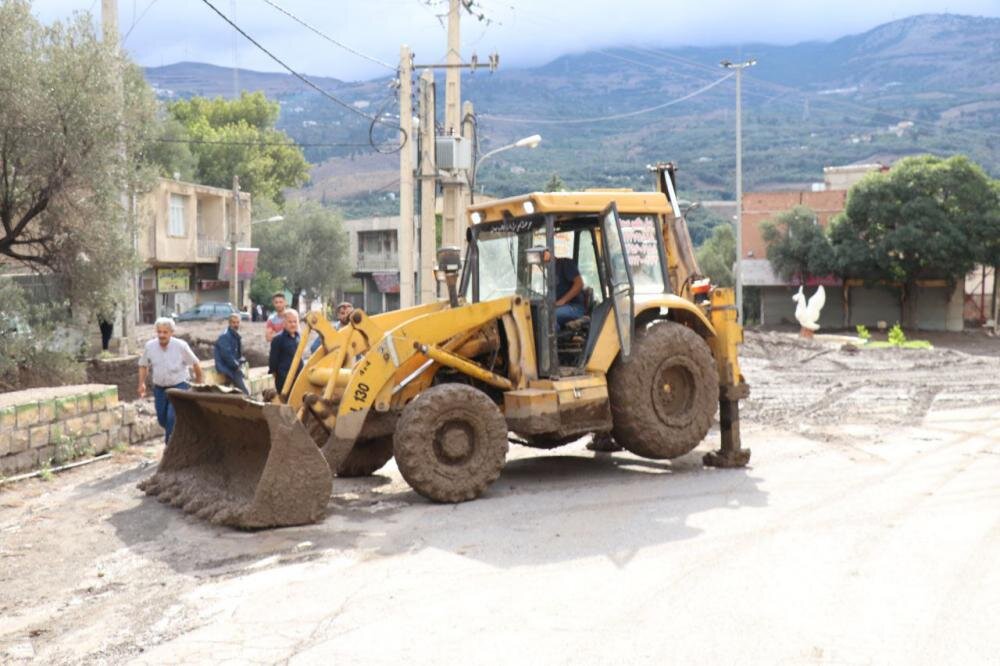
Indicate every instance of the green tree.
{"type": "Point", "coordinates": [237, 137]}
{"type": "Point", "coordinates": [797, 246]}
{"type": "Point", "coordinates": [701, 222]}
{"type": "Point", "coordinates": [926, 218]}
{"type": "Point", "coordinates": [263, 286]}
{"type": "Point", "coordinates": [306, 251]}
{"type": "Point", "coordinates": [555, 184]}
{"type": "Point", "coordinates": [717, 256]}
{"type": "Point", "coordinates": [67, 153]}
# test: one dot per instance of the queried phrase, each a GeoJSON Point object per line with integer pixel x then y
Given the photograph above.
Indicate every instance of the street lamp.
{"type": "Point", "coordinates": [274, 218]}
{"type": "Point", "coordinates": [527, 142]}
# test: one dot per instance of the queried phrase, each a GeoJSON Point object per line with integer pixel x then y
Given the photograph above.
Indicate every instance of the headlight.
{"type": "Point", "coordinates": [529, 207]}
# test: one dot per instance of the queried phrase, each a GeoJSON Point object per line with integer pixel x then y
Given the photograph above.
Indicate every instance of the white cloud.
{"type": "Point", "coordinates": [524, 32]}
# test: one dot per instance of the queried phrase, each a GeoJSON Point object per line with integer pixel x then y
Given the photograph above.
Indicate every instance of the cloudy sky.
{"type": "Point", "coordinates": [524, 32]}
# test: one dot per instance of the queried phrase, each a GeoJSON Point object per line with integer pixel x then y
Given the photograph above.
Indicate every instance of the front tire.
{"type": "Point", "coordinates": [664, 397]}
{"type": "Point", "coordinates": [451, 443]}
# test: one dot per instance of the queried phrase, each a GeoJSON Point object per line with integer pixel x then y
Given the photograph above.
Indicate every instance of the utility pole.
{"type": "Point", "coordinates": [234, 280]}
{"type": "Point", "coordinates": [110, 35]}
{"type": "Point", "coordinates": [428, 189]}
{"type": "Point", "coordinates": [453, 187]}
{"type": "Point", "coordinates": [738, 269]}
{"type": "Point", "coordinates": [405, 233]}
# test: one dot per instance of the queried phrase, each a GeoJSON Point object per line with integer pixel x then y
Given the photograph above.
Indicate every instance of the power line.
{"type": "Point", "coordinates": [262, 143]}
{"type": "Point", "coordinates": [135, 21]}
{"type": "Point", "coordinates": [328, 38]}
{"type": "Point", "coordinates": [305, 80]}
{"type": "Point", "coordinates": [617, 116]}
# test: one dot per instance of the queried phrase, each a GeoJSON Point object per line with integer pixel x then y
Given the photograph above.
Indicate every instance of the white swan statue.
{"type": "Point", "coordinates": [807, 311]}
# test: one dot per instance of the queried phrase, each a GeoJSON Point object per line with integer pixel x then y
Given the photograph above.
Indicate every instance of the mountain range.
{"type": "Point", "coordinates": [927, 83]}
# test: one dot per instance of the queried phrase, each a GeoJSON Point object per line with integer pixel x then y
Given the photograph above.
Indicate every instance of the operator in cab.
{"type": "Point", "coordinates": [569, 290]}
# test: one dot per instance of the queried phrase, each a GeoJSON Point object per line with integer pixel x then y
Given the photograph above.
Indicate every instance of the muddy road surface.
{"type": "Point", "coordinates": [864, 531]}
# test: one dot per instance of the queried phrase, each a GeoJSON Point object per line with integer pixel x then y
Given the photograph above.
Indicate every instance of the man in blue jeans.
{"type": "Point", "coordinates": [170, 359]}
{"type": "Point", "coordinates": [569, 290]}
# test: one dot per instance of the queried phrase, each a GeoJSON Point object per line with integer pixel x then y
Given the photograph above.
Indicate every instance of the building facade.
{"type": "Point", "coordinates": [185, 231]}
{"type": "Point", "coordinates": [374, 251]}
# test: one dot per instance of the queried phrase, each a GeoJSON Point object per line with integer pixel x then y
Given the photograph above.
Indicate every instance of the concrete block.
{"type": "Point", "coordinates": [117, 435]}
{"type": "Point", "coordinates": [46, 454]}
{"type": "Point", "coordinates": [90, 424]}
{"type": "Point", "coordinates": [74, 426]}
{"type": "Point", "coordinates": [128, 414]}
{"type": "Point", "coordinates": [83, 404]}
{"type": "Point", "coordinates": [6, 436]}
{"type": "Point", "coordinates": [99, 442]}
{"type": "Point", "coordinates": [20, 439]}
{"type": "Point", "coordinates": [27, 415]}
{"type": "Point", "coordinates": [39, 436]}
{"type": "Point", "coordinates": [111, 397]}
{"type": "Point", "coordinates": [57, 433]}
{"type": "Point", "coordinates": [66, 408]}
{"type": "Point", "coordinates": [97, 401]}
{"type": "Point", "coordinates": [106, 419]}
{"type": "Point", "coordinates": [47, 411]}
{"type": "Point", "coordinates": [19, 462]}
{"type": "Point", "coordinates": [8, 418]}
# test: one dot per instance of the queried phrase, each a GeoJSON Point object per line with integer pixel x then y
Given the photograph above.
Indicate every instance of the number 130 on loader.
{"type": "Point", "coordinates": [442, 386]}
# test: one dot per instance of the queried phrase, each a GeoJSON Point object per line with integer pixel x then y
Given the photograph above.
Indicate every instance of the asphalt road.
{"type": "Point", "coordinates": [856, 536]}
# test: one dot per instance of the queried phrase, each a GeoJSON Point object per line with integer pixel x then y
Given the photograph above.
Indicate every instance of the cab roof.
{"type": "Point", "coordinates": [574, 203]}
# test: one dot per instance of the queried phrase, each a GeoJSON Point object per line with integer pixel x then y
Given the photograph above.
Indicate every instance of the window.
{"type": "Point", "coordinates": [177, 225]}
{"type": "Point", "coordinates": [642, 238]}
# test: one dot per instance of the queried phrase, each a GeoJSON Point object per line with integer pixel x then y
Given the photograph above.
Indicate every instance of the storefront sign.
{"type": "Point", "coordinates": [172, 280]}
{"type": "Point", "coordinates": [247, 257]}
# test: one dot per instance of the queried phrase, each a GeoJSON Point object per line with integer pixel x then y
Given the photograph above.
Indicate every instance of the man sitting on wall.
{"type": "Point", "coordinates": [229, 354]}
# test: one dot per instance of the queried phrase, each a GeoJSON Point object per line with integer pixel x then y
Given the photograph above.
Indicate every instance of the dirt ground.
{"type": "Point", "coordinates": [862, 532]}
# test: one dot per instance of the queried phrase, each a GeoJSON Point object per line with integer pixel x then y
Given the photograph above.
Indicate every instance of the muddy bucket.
{"type": "Point", "coordinates": [239, 462]}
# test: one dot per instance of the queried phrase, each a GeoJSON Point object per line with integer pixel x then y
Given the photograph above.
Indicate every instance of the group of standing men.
{"type": "Point", "coordinates": [170, 360]}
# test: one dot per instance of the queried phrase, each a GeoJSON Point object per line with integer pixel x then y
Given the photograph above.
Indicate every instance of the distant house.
{"type": "Point", "coordinates": [185, 230]}
{"type": "Point", "coordinates": [938, 307]}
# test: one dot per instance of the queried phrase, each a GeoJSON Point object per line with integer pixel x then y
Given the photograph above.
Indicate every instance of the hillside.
{"type": "Point", "coordinates": [923, 83]}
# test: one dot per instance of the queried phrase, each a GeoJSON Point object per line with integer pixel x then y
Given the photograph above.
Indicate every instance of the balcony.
{"type": "Point", "coordinates": [210, 249]}
{"type": "Point", "coordinates": [369, 263]}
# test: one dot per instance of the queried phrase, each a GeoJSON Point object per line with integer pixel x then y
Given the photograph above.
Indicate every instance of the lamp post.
{"type": "Point", "coordinates": [527, 142]}
{"type": "Point", "coordinates": [739, 67]}
{"type": "Point", "coordinates": [273, 218]}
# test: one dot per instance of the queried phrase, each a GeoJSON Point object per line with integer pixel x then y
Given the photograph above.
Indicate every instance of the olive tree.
{"type": "Point", "coordinates": [68, 152]}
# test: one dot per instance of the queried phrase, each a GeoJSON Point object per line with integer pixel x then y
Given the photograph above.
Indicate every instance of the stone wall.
{"type": "Point", "coordinates": [56, 425]}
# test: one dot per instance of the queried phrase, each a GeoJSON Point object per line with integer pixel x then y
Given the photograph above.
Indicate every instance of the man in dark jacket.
{"type": "Point", "coordinates": [283, 348]}
{"type": "Point", "coordinates": [229, 354]}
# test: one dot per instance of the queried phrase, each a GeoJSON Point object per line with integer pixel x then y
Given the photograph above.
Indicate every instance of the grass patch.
{"type": "Point", "coordinates": [908, 344]}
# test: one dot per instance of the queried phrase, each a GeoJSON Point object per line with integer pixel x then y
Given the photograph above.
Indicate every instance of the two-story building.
{"type": "Point", "coordinates": [374, 249]}
{"type": "Point", "coordinates": [185, 231]}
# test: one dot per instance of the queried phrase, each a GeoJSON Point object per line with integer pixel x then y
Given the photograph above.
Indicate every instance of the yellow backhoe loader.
{"type": "Point", "coordinates": [444, 386]}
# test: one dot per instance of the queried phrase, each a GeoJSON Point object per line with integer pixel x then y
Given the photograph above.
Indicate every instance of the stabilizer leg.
{"type": "Point", "coordinates": [731, 454]}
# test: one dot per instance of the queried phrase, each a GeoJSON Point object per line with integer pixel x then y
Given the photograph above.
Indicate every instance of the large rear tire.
{"type": "Point", "coordinates": [451, 443]}
{"type": "Point", "coordinates": [664, 397]}
{"type": "Point", "coordinates": [366, 457]}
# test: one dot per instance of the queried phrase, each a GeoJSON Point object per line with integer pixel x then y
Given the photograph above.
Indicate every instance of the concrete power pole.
{"type": "Point", "coordinates": [428, 189]}
{"type": "Point", "coordinates": [110, 35]}
{"type": "Point", "coordinates": [738, 269]}
{"type": "Point", "coordinates": [234, 234]}
{"type": "Point", "coordinates": [405, 233]}
{"type": "Point", "coordinates": [453, 188]}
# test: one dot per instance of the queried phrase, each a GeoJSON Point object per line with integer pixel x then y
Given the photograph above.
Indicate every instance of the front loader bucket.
{"type": "Point", "coordinates": [238, 462]}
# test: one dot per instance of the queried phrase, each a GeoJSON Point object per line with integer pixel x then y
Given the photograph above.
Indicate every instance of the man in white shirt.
{"type": "Point", "coordinates": [170, 359]}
